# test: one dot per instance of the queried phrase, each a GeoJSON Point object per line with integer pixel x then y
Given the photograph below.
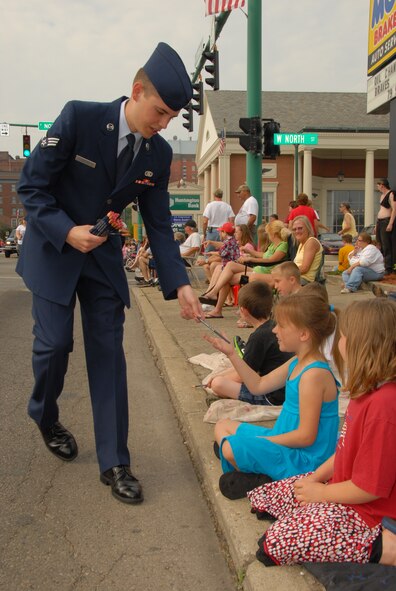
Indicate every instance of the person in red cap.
{"type": "Point", "coordinates": [228, 249]}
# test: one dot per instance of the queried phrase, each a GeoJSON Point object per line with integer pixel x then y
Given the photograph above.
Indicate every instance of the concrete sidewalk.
{"type": "Point", "coordinates": [173, 341]}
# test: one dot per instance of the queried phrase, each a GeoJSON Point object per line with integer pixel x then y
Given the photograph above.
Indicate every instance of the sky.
{"type": "Point", "coordinates": [52, 52]}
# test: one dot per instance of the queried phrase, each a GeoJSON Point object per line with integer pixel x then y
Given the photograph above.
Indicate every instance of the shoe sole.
{"type": "Point", "coordinates": [108, 482]}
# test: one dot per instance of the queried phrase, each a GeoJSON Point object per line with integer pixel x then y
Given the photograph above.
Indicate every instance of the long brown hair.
{"type": "Point", "coordinates": [370, 330]}
{"type": "Point", "coordinates": [309, 309]}
{"type": "Point", "coordinates": [246, 235]}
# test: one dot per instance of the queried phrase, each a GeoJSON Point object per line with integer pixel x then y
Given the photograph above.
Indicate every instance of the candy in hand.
{"type": "Point", "coordinates": [111, 221]}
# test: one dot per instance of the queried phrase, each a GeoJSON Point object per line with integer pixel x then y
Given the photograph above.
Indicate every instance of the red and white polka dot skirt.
{"type": "Point", "coordinates": [317, 532]}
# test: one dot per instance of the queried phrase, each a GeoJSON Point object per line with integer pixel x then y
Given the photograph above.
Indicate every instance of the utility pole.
{"type": "Point", "coordinates": [254, 161]}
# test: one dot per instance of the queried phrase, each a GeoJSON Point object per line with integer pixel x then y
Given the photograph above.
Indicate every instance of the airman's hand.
{"type": "Point", "coordinates": [81, 239]}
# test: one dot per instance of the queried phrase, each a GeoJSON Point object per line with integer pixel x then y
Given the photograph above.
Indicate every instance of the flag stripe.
{"type": "Point", "coordinates": [216, 6]}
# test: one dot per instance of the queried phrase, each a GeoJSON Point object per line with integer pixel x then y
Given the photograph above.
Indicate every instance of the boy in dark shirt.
{"type": "Point", "coordinates": [261, 352]}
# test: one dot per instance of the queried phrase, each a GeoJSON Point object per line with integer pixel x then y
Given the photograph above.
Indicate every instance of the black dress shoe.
{"type": "Point", "coordinates": [124, 486]}
{"type": "Point", "coordinates": [60, 442]}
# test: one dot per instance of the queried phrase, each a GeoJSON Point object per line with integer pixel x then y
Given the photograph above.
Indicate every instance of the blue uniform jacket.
{"type": "Point", "coordinates": [70, 180]}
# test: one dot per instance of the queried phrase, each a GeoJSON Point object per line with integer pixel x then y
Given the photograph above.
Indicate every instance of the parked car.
{"type": "Point", "coordinates": [10, 246]}
{"type": "Point", "coordinates": [331, 242]}
{"type": "Point", "coordinates": [370, 230]}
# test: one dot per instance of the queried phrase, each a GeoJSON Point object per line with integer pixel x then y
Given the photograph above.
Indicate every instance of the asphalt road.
{"type": "Point", "coordinates": [60, 527]}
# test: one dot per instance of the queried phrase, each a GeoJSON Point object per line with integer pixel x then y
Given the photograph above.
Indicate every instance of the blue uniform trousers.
{"type": "Point", "coordinates": [102, 313]}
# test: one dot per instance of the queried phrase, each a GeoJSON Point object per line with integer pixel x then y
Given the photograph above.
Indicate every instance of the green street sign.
{"type": "Point", "coordinates": [185, 202]}
{"type": "Point", "coordinates": [283, 139]}
{"type": "Point", "coordinates": [44, 125]}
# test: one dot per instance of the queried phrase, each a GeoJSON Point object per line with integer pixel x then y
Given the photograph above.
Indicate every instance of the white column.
{"type": "Point", "coordinates": [224, 177]}
{"type": "Point", "coordinates": [307, 173]}
{"type": "Point", "coordinates": [201, 183]}
{"type": "Point", "coordinates": [369, 189]}
{"type": "Point", "coordinates": [214, 173]}
{"type": "Point", "coordinates": [206, 187]}
{"type": "Point", "coordinates": [300, 172]}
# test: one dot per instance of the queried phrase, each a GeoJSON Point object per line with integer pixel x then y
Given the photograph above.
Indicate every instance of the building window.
{"type": "Point", "coordinates": [13, 223]}
{"type": "Point", "coordinates": [13, 211]}
{"type": "Point", "coordinates": [13, 199]}
{"type": "Point", "coordinates": [267, 204]}
{"type": "Point", "coordinates": [1, 198]}
{"type": "Point", "coordinates": [1, 188]}
{"type": "Point", "coordinates": [356, 201]}
{"type": "Point", "coordinates": [1, 211]}
{"type": "Point", "coordinates": [13, 188]}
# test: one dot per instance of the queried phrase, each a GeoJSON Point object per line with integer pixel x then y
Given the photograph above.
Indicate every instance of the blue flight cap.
{"type": "Point", "coordinates": [169, 76]}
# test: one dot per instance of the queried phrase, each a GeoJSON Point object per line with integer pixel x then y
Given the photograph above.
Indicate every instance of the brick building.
{"type": "Point", "coordinates": [10, 206]}
{"type": "Point", "coordinates": [183, 164]}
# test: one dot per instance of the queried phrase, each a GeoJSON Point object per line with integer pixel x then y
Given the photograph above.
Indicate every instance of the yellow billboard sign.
{"type": "Point", "coordinates": [382, 34]}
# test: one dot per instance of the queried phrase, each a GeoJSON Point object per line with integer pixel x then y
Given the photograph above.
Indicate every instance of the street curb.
{"type": "Point", "coordinates": [236, 526]}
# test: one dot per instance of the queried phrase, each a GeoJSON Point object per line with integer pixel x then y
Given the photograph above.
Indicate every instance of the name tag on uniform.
{"type": "Point", "coordinates": [85, 161]}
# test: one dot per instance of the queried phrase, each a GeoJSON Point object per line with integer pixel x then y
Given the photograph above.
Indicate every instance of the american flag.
{"type": "Point", "coordinates": [216, 6]}
{"type": "Point", "coordinates": [222, 142]}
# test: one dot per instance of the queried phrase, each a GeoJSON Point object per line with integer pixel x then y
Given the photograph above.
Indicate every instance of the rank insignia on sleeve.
{"type": "Point", "coordinates": [49, 142]}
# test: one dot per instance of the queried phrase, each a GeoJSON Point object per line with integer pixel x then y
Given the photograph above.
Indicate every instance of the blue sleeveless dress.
{"type": "Point", "coordinates": [254, 453]}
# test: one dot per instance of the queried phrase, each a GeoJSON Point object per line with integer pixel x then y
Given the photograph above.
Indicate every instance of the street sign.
{"type": "Point", "coordinates": [283, 139]}
{"type": "Point", "coordinates": [44, 125]}
{"type": "Point", "coordinates": [4, 129]}
{"type": "Point", "coordinates": [185, 202]}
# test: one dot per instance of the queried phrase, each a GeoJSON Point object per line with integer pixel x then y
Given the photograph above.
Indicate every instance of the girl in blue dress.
{"type": "Point", "coordinates": [305, 432]}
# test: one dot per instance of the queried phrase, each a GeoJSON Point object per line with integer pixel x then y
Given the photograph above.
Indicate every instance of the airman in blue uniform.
{"type": "Point", "coordinates": [70, 181]}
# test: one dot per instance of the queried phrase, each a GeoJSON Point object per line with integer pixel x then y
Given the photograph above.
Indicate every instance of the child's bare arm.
{"type": "Point", "coordinates": [256, 384]}
{"type": "Point", "coordinates": [313, 386]}
{"type": "Point", "coordinates": [343, 492]}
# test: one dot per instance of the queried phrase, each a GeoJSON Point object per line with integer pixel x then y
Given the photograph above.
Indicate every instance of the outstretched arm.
{"type": "Point", "coordinates": [256, 384]}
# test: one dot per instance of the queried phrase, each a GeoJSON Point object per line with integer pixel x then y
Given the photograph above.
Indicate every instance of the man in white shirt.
{"type": "Point", "coordinates": [20, 232]}
{"type": "Point", "coordinates": [249, 209]}
{"type": "Point", "coordinates": [192, 244]}
{"type": "Point", "coordinates": [216, 214]}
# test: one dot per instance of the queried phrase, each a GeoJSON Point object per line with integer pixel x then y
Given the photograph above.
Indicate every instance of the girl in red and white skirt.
{"type": "Point", "coordinates": [334, 514]}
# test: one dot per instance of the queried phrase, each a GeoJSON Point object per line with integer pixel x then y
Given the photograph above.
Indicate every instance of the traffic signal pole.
{"type": "Point", "coordinates": [254, 161]}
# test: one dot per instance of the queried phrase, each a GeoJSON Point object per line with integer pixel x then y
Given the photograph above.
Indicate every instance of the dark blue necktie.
{"type": "Point", "coordinates": [125, 158]}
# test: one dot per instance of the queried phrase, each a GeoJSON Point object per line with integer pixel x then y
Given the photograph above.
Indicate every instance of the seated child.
{"type": "Point", "coordinates": [343, 261]}
{"type": "Point", "coordinates": [305, 432]}
{"type": "Point", "coordinates": [261, 352]}
{"type": "Point", "coordinates": [286, 278]}
{"type": "Point", "coordinates": [334, 514]}
{"type": "Point", "coordinates": [286, 281]}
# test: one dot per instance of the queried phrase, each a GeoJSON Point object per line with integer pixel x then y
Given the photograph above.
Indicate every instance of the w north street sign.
{"type": "Point", "coordinates": [44, 125]}
{"type": "Point", "coordinates": [283, 139]}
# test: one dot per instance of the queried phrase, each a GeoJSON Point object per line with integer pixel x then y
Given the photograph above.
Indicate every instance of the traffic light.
{"type": "Point", "coordinates": [189, 118]}
{"type": "Point", "coordinates": [198, 97]}
{"type": "Point", "coordinates": [213, 68]}
{"type": "Point", "coordinates": [26, 146]}
{"type": "Point", "coordinates": [252, 127]}
{"type": "Point", "coordinates": [270, 150]}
